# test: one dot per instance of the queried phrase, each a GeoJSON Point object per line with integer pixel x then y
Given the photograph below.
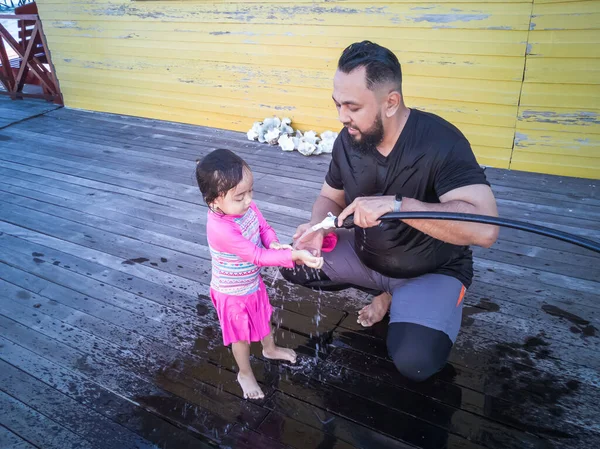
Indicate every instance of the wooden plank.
{"type": "Point", "coordinates": [296, 434]}
{"type": "Point", "coordinates": [196, 385]}
{"type": "Point", "coordinates": [320, 180]}
{"type": "Point", "coordinates": [287, 320]}
{"type": "Point", "coordinates": [548, 259]}
{"type": "Point", "coordinates": [111, 207]}
{"type": "Point", "coordinates": [65, 411]}
{"type": "Point", "coordinates": [529, 238]}
{"type": "Point", "coordinates": [9, 440]}
{"type": "Point", "coordinates": [451, 423]}
{"type": "Point", "coordinates": [490, 365]}
{"type": "Point", "coordinates": [295, 425]}
{"type": "Point", "coordinates": [491, 255]}
{"type": "Point", "coordinates": [180, 158]}
{"type": "Point", "coordinates": [487, 326]}
{"type": "Point", "coordinates": [242, 438]}
{"type": "Point", "coordinates": [391, 392]}
{"type": "Point", "coordinates": [485, 337]}
{"type": "Point", "coordinates": [203, 335]}
{"type": "Point", "coordinates": [567, 228]}
{"type": "Point", "coordinates": [77, 250]}
{"type": "Point", "coordinates": [128, 186]}
{"type": "Point", "coordinates": [555, 265]}
{"type": "Point", "coordinates": [486, 270]}
{"type": "Point", "coordinates": [237, 138]}
{"type": "Point", "coordinates": [515, 191]}
{"type": "Point", "coordinates": [103, 363]}
{"type": "Point", "coordinates": [174, 408]}
{"type": "Point", "coordinates": [97, 398]}
{"type": "Point", "coordinates": [179, 131]}
{"type": "Point", "coordinates": [144, 314]}
{"type": "Point", "coordinates": [551, 394]}
{"type": "Point", "coordinates": [37, 428]}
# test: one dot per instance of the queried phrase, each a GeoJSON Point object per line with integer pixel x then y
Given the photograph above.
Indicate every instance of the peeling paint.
{"type": "Point", "coordinates": [579, 118]}
{"type": "Point", "coordinates": [376, 10]}
{"type": "Point", "coordinates": [529, 48]}
{"type": "Point", "coordinates": [449, 18]}
{"type": "Point", "coordinates": [520, 137]}
{"type": "Point", "coordinates": [66, 24]}
{"type": "Point", "coordinates": [531, 26]}
{"type": "Point", "coordinates": [278, 108]}
{"type": "Point", "coordinates": [219, 33]}
{"type": "Point", "coordinates": [125, 10]}
{"type": "Point", "coordinates": [500, 28]}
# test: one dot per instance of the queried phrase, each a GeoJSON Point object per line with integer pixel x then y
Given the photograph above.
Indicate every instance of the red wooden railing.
{"type": "Point", "coordinates": [32, 64]}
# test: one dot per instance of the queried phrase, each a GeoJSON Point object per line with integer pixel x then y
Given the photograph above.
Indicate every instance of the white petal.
{"type": "Point", "coordinates": [272, 135]}
{"type": "Point", "coordinates": [306, 148]}
{"type": "Point", "coordinates": [286, 143]}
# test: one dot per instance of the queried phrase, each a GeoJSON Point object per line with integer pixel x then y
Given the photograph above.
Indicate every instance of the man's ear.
{"type": "Point", "coordinates": [392, 103]}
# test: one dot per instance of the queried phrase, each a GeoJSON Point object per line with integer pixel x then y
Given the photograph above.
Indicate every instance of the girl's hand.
{"type": "Point", "coordinates": [307, 259]}
{"type": "Point", "coordinates": [277, 245]}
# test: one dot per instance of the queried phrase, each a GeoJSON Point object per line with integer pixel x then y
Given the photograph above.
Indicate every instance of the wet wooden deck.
{"type": "Point", "coordinates": [107, 338]}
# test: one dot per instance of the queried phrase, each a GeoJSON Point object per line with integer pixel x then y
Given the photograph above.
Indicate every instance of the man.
{"type": "Point", "coordinates": [391, 158]}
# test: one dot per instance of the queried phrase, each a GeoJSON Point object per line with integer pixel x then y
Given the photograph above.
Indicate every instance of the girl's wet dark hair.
{"type": "Point", "coordinates": [381, 64]}
{"type": "Point", "coordinates": [219, 172]}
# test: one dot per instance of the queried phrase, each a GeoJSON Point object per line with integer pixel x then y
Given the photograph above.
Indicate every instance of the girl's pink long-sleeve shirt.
{"type": "Point", "coordinates": [239, 247]}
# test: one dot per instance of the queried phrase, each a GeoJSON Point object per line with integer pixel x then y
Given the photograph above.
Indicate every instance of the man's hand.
{"type": "Point", "coordinates": [367, 210]}
{"type": "Point", "coordinates": [312, 242]}
{"type": "Point", "coordinates": [277, 245]}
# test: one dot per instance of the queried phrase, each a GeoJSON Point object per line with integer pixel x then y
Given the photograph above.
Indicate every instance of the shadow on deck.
{"type": "Point", "coordinates": [108, 340]}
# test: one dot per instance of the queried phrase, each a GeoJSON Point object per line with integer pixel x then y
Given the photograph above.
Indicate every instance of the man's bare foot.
{"type": "Point", "coordinates": [374, 312]}
{"type": "Point", "coordinates": [278, 353]}
{"type": "Point", "coordinates": [250, 386]}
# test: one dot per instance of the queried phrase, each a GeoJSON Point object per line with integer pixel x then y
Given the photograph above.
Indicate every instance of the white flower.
{"type": "Point", "coordinates": [306, 148]}
{"type": "Point", "coordinates": [255, 131]}
{"type": "Point", "coordinates": [329, 135]}
{"type": "Point", "coordinates": [272, 122]}
{"type": "Point", "coordinates": [326, 144]}
{"type": "Point", "coordinates": [272, 135]}
{"type": "Point", "coordinates": [311, 136]}
{"type": "Point", "coordinates": [286, 143]}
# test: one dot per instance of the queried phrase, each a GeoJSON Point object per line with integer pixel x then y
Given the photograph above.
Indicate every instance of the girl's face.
{"type": "Point", "coordinates": [237, 200]}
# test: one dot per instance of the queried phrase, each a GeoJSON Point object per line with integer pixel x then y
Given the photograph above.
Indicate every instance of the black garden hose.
{"type": "Point", "coordinates": [523, 226]}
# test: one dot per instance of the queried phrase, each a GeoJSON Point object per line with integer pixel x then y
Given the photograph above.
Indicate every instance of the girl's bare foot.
{"type": "Point", "coordinates": [374, 312]}
{"type": "Point", "coordinates": [278, 353]}
{"type": "Point", "coordinates": [250, 386]}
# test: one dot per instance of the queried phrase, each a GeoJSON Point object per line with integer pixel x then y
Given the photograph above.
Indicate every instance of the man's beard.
{"type": "Point", "coordinates": [369, 139]}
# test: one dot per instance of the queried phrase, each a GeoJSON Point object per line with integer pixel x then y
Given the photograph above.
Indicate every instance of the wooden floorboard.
{"type": "Point", "coordinates": [15, 111]}
{"type": "Point", "coordinates": [108, 338]}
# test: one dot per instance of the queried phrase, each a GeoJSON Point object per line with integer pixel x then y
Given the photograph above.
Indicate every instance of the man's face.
{"type": "Point", "coordinates": [359, 109]}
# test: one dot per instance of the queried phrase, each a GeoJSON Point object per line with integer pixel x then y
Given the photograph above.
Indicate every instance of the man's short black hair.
{"type": "Point", "coordinates": [381, 65]}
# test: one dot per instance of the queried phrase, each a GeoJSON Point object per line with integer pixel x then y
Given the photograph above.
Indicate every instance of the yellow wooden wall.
{"type": "Point", "coordinates": [229, 63]}
{"type": "Point", "coordinates": [558, 130]}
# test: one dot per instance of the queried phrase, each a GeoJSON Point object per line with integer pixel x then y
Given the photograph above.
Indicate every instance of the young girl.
{"type": "Point", "coordinates": [241, 242]}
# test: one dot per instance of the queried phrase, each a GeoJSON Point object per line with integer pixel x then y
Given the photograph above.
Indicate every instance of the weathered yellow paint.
{"type": "Point", "coordinates": [228, 63]}
{"type": "Point", "coordinates": [558, 127]}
